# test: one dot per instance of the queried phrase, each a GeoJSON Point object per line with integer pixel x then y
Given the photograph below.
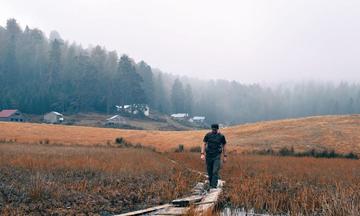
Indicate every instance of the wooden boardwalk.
{"type": "Point", "coordinates": [201, 201]}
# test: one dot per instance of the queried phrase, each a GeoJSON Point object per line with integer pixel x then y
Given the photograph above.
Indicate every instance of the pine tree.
{"type": "Point", "coordinates": [85, 83]}
{"type": "Point", "coordinates": [161, 99]}
{"type": "Point", "coordinates": [188, 100]}
{"type": "Point", "coordinates": [131, 90]}
{"type": "Point", "coordinates": [54, 62]}
{"type": "Point", "coordinates": [110, 71]}
{"type": "Point", "coordinates": [177, 97]}
{"type": "Point", "coordinates": [10, 63]}
{"type": "Point", "coordinates": [148, 84]}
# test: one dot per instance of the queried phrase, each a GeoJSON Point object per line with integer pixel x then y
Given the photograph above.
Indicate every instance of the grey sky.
{"type": "Point", "coordinates": [244, 40]}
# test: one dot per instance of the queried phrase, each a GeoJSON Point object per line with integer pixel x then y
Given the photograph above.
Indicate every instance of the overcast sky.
{"type": "Point", "coordinates": [244, 40]}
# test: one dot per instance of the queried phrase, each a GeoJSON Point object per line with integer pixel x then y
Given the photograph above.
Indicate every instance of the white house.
{"type": "Point", "coordinates": [116, 120]}
{"type": "Point", "coordinates": [53, 117]}
{"type": "Point", "coordinates": [198, 119]}
{"type": "Point", "coordinates": [134, 109]}
{"type": "Point", "coordinates": [180, 116]}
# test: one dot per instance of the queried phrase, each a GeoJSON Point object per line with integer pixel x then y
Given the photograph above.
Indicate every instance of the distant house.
{"type": "Point", "coordinates": [134, 109]}
{"type": "Point", "coordinates": [180, 116]}
{"type": "Point", "coordinates": [198, 119]}
{"type": "Point", "coordinates": [53, 117]}
{"type": "Point", "coordinates": [116, 120]}
{"type": "Point", "coordinates": [222, 125]}
{"type": "Point", "coordinates": [12, 115]}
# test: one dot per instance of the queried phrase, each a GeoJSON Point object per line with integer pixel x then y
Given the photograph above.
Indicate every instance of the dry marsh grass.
{"type": "Point", "coordinates": [46, 173]}
{"type": "Point", "coordinates": [64, 180]}
{"type": "Point", "coordinates": [287, 185]}
{"type": "Point", "coordinates": [340, 133]}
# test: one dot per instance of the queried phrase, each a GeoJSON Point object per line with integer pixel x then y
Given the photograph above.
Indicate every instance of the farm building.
{"type": "Point", "coordinates": [12, 115]}
{"type": "Point", "coordinates": [116, 120]}
{"type": "Point", "coordinates": [53, 117]}
{"type": "Point", "coordinates": [134, 109]}
{"type": "Point", "coordinates": [180, 116]}
{"type": "Point", "coordinates": [198, 119]}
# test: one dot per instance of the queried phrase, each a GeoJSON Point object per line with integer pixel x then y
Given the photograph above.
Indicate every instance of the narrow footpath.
{"type": "Point", "coordinates": [200, 202]}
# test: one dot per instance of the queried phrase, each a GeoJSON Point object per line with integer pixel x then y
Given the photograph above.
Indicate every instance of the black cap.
{"type": "Point", "coordinates": [214, 126]}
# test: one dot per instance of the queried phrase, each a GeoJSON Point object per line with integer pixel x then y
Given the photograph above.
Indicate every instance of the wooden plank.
{"type": "Point", "coordinates": [199, 189]}
{"type": "Point", "coordinates": [184, 202]}
{"type": "Point", "coordinates": [203, 203]}
{"type": "Point", "coordinates": [199, 186]}
{"type": "Point", "coordinates": [144, 211]}
{"type": "Point", "coordinates": [206, 204]}
{"type": "Point", "coordinates": [209, 201]}
{"type": "Point", "coordinates": [173, 211]}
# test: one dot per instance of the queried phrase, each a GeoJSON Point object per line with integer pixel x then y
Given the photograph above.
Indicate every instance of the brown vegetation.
{"type": "Point", "coordinates": [287, 185]}
{"type": "Point", "coordinates": [38, 179]}
{"type": "Point", "coordinates": [43, 179]}
{"type": "Point", "coordinates": [340, 133]}
{"type": "Point", "coordinates": [38, 176]}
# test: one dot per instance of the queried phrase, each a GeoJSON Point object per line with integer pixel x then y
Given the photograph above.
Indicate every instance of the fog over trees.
{"type": "Point", "coordinates": [39, 74]}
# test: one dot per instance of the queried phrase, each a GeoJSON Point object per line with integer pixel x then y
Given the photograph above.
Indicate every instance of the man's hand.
{"type": "Point", "coordinates": [202, 156]}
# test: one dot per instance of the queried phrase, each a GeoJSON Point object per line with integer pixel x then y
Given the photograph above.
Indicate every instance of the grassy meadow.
{"type": "Point", "coordinates": [75, 180]}
{"type": "Point", "coordinates": [287, 185]}
{"type": "Point", "coordinates": [65, 180]}
{"type": "Point", "coordinates": [340, 133]}
{"type": "Point", "coordinates": [72, 170]}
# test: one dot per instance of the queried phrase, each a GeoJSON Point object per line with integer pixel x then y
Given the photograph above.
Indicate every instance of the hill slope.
{"type": "Point", "coordinates": [156, 121]}
{"type": "Point", "coordinates": [341, 133]}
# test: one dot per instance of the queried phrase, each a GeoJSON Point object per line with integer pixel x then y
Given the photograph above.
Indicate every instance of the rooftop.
{"type": "Point", "coordinates": [7, 113]}
{"type": "Point", "coordinates": [56, 113]}
{"type": "Point", "coordinates": [179, 115]}
{"type": "Point", "coordinates": [199, 118]}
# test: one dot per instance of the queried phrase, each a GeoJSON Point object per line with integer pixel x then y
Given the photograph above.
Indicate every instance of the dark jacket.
{"type": "Point", "coordinates": [215, 143]}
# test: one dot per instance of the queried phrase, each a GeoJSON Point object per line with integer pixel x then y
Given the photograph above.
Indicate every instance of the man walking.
{"type": "Point", "coordinates": [214, 145]}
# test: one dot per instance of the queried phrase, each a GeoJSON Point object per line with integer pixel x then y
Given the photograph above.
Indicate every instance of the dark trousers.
{"type": "Point", "coordinates": [213, 167]}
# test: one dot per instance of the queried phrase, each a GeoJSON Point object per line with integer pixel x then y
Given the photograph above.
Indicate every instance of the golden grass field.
{"type": "Point", "coordinates": [340, 133]}
{"type": "Point", "coordinates": [87, 173]}
{"type": "Point", "coordinates": [76, 180]}
{"type": "Point", "coordinates": [86, 180]}
{"type": "Point", "coordinates": [287, 185]}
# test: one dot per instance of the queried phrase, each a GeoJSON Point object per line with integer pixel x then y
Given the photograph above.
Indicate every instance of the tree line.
{"type": "Point", "coordinates": [39, 74]}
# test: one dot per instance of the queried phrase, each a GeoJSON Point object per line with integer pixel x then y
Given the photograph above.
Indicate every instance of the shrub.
{"type": "Point", "coordinates": [37, 187]}
{"type": "Point", "coordinates": [180, 148]}
{"type": "Point", "coordinates": [123, 143]}
{"type": "Point", "coordinates": [309, 153]}
{"type": "Point", "coordinates": [45, 141]}
{"type": "Point", "coordinates": [195, 149]}
{"type": "Point", "coordinates": [119, 140]}
{"type": "Point", "coordinates": [351, 155]}
{"type": "Point", "coordinates": [268, 151]}
{"type": "Point", "coordinates": [286, 152]}
{"type": "Point", "coordinates": [138, 145]}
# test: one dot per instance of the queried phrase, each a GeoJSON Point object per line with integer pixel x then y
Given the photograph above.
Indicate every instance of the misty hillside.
{"type": "Point", "coordinates": [339, 133]}
{"type": "Point", "coordinates": [39, 74]}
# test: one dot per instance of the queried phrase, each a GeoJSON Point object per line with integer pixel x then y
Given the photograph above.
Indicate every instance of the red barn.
{"type": "Point", "coordinates": [12, 115]}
